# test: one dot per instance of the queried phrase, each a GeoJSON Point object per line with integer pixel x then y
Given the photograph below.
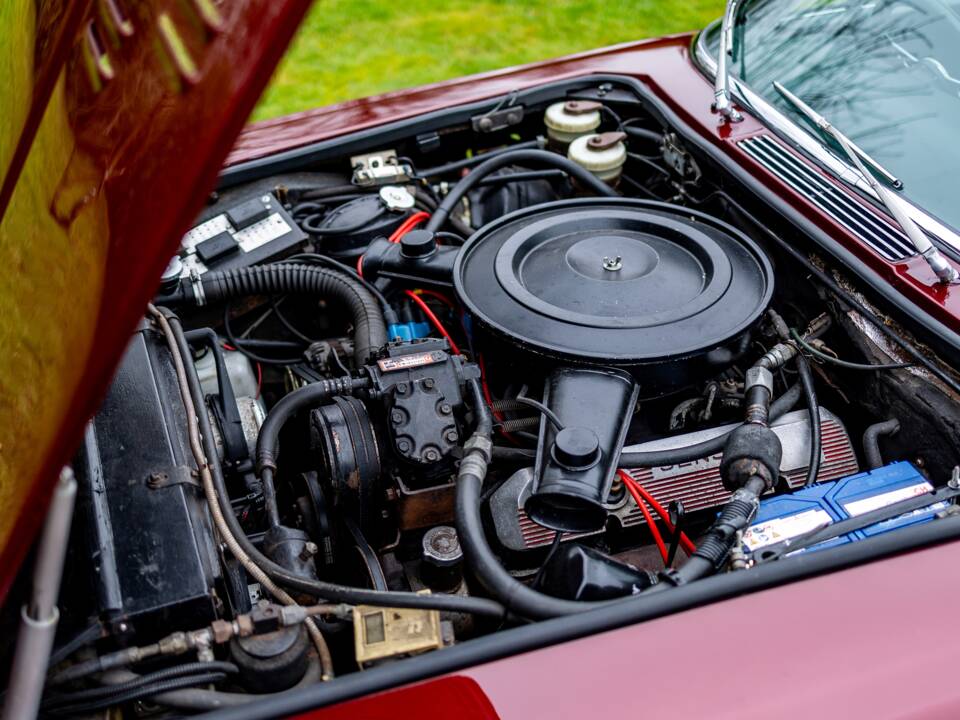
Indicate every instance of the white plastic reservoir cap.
{"type": "Point", "coordinates": [568, 120]}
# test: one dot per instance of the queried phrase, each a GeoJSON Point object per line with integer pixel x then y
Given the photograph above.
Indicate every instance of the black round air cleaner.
{"type": "Point", "coordinates": [609, 294]}
{"type": "Point", "coordinates": [616, 282]}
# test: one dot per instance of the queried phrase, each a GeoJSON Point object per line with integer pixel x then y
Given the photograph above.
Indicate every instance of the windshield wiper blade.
{"type": "Point", "coordinates": [944, 271]}
{"type": "Point", "coordinates": [722, 101]}
{"type": "Point", "coordinates": [823, 124]}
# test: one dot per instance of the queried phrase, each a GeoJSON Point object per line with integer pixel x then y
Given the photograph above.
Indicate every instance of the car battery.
{"type": "Point", "coordinates": [785, 517]}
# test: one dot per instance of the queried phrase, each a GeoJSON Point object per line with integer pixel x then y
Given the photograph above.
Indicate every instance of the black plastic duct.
{"type": "Point", "coordinates": [614, 297]}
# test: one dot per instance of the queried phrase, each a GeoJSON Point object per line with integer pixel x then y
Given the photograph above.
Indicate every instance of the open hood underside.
{"type": "Point", "coordinates": [117, 117]}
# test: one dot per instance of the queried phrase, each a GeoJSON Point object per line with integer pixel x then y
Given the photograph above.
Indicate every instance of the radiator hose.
{"type": "Point", "coordinates": [369, 327]}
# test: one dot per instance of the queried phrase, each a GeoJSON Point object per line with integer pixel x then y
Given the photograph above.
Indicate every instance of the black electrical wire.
{"type": "Point", "coordinates": [86, 636]}
{"type": "Point", "coordinates": [813, 407]}
{"type": "Point", "coordinates": [658, 458]}
{"type": "Point", "coordinates": [649, 163]}
{"type": "Point", "coordinates": [613, 115]}
{"type": "Point", "coordinates": [542, 409]}
{"type": "Point", "coordinates": [140, 692]}
{"type": "Point", "coordinates": [641, 188]}
{"type": "Point", "coordinates": [279, 574]}
{"type": "Point", "coordinates": [442, 235]}
{"type": "Point", "coordinates": [106, 691]}
{"type": "Point", "coordinates": [819, 354]}
{"type": "Point", "coordinates": [240, 345]}
{"type": "Point", "coordinates": [291, 328]}
{"type": "Point", "coordinates": [835, 288]}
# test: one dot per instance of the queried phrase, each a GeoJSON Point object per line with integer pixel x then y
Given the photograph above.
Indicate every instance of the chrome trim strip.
{"type": "Point", "coordinates": [884, 238]}
{"type": "Point", "coordinates": [798, 137]}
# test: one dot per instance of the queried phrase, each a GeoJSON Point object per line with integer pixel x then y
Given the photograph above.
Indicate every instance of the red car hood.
{"type": "Point", "coordinates": [117, 118]}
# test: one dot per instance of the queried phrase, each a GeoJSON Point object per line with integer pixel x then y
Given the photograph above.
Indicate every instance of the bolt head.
{"type": "Point", "coordinates": [451, 436]}
{"type": "Point", "coordinates": [428, 383]}
{"type": "Point", "coordinates": [402, 388]}
{"type": "Point", "coordinates": [431, 455]}
{"type": "Point", "coordinates": [396, 417]}
{"type": "Point", "coordinates": [445, 409]}
{"type": "Point", "coordinates": [403, 446]}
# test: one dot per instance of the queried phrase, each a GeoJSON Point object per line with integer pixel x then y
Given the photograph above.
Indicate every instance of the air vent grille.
{"type": "Point", "coordinates": [886, 240]}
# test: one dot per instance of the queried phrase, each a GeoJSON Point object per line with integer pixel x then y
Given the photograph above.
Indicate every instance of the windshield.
{"type": "Point", "coordinates": [887, 74]}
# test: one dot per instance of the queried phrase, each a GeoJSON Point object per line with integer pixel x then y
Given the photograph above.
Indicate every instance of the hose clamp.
{"type": "Point", "coordinates": [197, 286]}
{"type": "Point", "coordinates": [759, 376]}
{"type": "Point", "coordinates": [480, 443]}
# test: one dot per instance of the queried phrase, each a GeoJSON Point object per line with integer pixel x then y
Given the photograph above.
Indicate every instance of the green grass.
{"type": "Point", "coordinates": [353, 48]}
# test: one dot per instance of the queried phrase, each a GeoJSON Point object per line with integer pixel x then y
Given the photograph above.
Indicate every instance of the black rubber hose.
{"type": "Point", "coordinates": [279, 574]}
{"type": "Point", "coordinates": [142, 691]}
{"type": "Point", "coordinates": [643, 133]}
{"type": "Point", "coordinates": [477, 159]}
{"type": "Point", "coordinates": [204, 699]}
{"type": "Point", "coordinates": [871, 441]}
{"type": "Point", "coordinates": [658, 458]}
{"type": "Point", "coordinates": [519, 598]}
{"type": "Point", "coordinates": [535, 157]}
{"type": "Point", "coordinates": [711, 551]}
{"type": "Point", "coordinates": [715, 544]}
{"type": "Point", "coordinates": [813, 407]}
{"type": "Point", "coordinates": [370, 330]}
{"type": "Point", "coordinates": [289, 405]}
{"type": "Point", "coordinates": [104, 691]}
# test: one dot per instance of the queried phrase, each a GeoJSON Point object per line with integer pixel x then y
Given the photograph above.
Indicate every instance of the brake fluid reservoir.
{"type": "Point", "coordinates": [603, 154]}
{"type": "Point", "coordinates": [566, 121]}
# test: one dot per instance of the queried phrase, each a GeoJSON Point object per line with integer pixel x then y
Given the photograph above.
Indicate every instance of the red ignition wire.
{"type": "Point", "coordinates": [685, 541]}
{"type": "Point", "coordinates": [438, 295]}
{"type": "Point", "coordinates": [433, 319]}
{"type": "Point", "coordinates": [407, 225]}
{"type": "Point", "coordinates": [633, 489]}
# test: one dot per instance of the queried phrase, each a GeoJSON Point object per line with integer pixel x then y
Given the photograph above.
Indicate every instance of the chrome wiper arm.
{"type": "Point", "coordinates": [821, 122]}
{"type": "Point", "coordinates": [722, 101]}
{"type": "Point", "coordinates": [944, 271]}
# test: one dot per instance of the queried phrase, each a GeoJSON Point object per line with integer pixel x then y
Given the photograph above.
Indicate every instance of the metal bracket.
{"type": "Point", "coordinates": [177, 475]}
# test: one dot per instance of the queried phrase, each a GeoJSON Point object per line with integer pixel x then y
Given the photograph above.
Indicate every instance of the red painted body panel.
{"type": "Point", "coordinates": [123, 126]}
{"type": "Point", "coordinates": [869, 642]}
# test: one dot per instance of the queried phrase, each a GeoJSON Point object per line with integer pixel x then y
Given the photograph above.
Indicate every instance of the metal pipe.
{"type": "Point", "coordinates": [39, 616]}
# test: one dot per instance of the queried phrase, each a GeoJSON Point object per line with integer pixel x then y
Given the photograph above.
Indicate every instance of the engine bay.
{"type": "Point", "coordinates": [449, 382]}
